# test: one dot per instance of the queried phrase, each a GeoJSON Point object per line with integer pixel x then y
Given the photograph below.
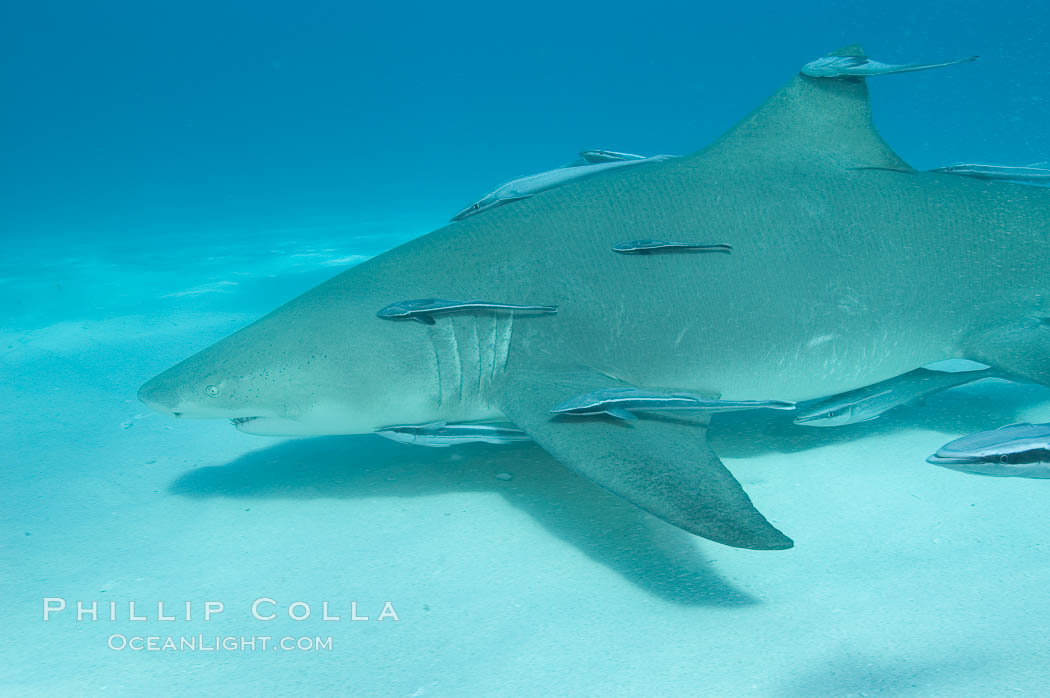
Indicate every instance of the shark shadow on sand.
{"type": "Point", "coordinates": [855, 674]}
{"type": "Point", "coordinates": [653, 555]}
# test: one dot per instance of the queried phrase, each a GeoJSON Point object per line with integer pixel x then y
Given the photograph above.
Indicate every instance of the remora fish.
{"type": "Point", "coordinates": [530, 185]}
{"type": "Point", "coordinates": [622, 402]}
{"type": "Point", "coordinates": [1017, 450]}
{"type": "Point", "coordinates": [424, 309]}
{"type": "Point", "coordinates": [658, 246]}
{"type": "Point", "coordinates": [442, 435]}
{"type": "Point", "coordinates": [322, 364]}
{"type": "Point", "coordinates": [871, 401]}
{"type": "Point", "coordinates": [1026, 173]}
{"type": "Point", "coordinates": [599, 156]}
{"type": "Point", "coordinates": [862, 66]}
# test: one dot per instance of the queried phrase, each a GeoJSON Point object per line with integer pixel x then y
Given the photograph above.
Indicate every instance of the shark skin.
{"type": "Point", "coordinates": [848, 268]}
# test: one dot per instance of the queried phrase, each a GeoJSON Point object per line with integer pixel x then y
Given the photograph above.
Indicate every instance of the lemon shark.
{"type": "Point", "coordinates": [848, 268]}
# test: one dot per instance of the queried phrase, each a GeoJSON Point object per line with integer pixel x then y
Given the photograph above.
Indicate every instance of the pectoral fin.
{"type": "Point", "coordinates": [663, 466]}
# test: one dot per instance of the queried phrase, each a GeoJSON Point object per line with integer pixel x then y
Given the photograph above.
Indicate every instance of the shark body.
{"type": "Point", "coordinates": [848, 268]}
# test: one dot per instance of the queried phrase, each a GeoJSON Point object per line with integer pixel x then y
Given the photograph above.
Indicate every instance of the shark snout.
{"type": "Point", "coordinates": [171, 394]}
{"type": "Point", "coordinates": [160, 396]}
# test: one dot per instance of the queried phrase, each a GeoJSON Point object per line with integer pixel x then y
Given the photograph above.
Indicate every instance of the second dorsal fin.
{"type": "Point", "coordinates": [811, 121]}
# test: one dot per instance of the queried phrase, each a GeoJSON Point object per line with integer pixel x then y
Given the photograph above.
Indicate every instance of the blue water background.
{"type": "Point", "coordinates": [126, 121]}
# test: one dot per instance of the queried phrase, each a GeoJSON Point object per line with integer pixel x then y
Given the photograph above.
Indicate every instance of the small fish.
{"type": "Point", "coordinates": [530, 185]}
{"type": "Point", "coordinates": [658, 246]}
{"type": "Point", "coordinates": [599, 156]}
{"type": "Point", "coordinates": [862, 66]}
{"type": "Point", "coordinates": [1036, 172]}
{"type": "Point", "coordinates": [424, 309]}
{"type": "Point", "coordinates": [1017, 450]}
{"type": "Point", "coordinates": [443, 435]}
{"type": "Point", "coordinates": [623, 402]}
{"type": "Point", "coordinates": [871, 401]}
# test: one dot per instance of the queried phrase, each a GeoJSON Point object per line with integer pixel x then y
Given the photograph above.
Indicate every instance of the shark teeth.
{"type": "Point", "coordinates": [241, 420]}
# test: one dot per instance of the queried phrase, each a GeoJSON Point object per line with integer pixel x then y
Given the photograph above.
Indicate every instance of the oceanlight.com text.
{"type": "Point", "coordinates": [218, 643]}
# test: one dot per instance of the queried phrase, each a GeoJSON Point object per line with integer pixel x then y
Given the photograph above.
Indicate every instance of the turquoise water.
{"type": "Point", "coordinates": [172, 173]}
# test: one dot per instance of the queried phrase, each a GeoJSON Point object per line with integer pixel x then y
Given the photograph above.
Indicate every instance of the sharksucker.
{"type": "Point", "coordinates": [622, 403]}
{"type": "Point", "coordinates": [660, 246]}
{"type": "Point", "coordinates": [862, 66]}
{"type": "Point", "coordinates": [530, 185]}
{"type": "Point", "coordinates": [870, 402]}
{"type": "Point", "coordinates": [442, 434]}
{"type": "Point", "coordinates": [1023, 173]}
{"type": "Point", "coordinates": [426, 309]}
{"type": "Point", "coordinates": [1016, 450]}
{"type": "Point", "coordinates": [824, 258]}
{"type": "Point", "coordinates": [599, 156]}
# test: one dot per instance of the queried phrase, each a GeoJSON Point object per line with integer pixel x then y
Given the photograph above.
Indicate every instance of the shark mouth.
{"type": "Point", "coordinates": [237, 421]}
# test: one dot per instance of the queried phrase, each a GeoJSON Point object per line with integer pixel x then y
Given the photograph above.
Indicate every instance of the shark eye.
{"type": "Point", "coordinates": [1004, 458]}
{"type": "Point", "coordinates": [212, 390]}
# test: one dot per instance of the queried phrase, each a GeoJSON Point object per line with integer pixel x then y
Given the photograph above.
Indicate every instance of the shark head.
{"type": "Point", "coordinates": [298, 373]}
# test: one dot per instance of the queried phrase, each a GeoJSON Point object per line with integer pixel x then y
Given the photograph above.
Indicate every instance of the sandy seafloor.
{"type": "Point", "coordinates": [907, 579]}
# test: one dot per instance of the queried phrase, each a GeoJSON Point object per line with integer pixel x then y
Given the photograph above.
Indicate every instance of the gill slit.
{"type": "Point", "coordinates": [477, 348]}
{"type": "Point", "coordinates": [503, 346]}
{"type": "Point", "coordinates": [456, 357]}
{"type": "Point", "coordinates": [437, 364]}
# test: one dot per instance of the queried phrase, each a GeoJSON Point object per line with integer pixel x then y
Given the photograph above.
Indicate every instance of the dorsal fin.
{"type": "Point", "coordinates": [812, 121]}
